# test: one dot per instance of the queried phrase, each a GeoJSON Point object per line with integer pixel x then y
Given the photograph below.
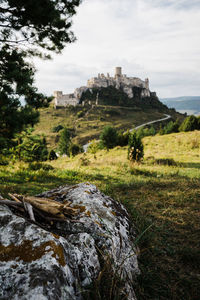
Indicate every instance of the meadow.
{"type": "Point", "coordinates": [161, 194]}
{"type": "Point", "coordinates": [86, 123]}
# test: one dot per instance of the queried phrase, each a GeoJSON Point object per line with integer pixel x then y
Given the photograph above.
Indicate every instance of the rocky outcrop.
{"type": "Point", "coordinates": [64, 259]}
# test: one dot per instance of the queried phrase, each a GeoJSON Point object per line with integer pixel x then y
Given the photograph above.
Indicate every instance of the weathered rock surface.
{"type": "Point", "coordinates": [61, 264]}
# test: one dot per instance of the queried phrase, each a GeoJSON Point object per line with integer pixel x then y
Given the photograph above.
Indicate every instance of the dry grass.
{"type": "Point", "coordinates": [90, 126]}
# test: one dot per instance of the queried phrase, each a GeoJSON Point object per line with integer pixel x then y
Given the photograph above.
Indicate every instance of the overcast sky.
{"type": "Point", "coordinates": [158, 39]}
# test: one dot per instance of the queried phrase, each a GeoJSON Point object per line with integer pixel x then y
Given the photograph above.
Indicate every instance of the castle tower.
{"type": "Point", "coordinates": [57, 94]}
{"type": "Point", "coordinates": [118, 71]}
{"type": "Point", "coordinates": [147, 83]}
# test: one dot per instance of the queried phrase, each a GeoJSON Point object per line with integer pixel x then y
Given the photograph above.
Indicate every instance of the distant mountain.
{"type": "Point", "coordinates": [188, 104]}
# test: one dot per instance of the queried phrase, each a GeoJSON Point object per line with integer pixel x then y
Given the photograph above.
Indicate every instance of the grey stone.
{"type": "Point", "coordinates": [61, 263]}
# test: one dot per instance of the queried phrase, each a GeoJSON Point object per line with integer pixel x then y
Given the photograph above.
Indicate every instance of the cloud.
{"type": "Point", "coordinates": [158, 39]}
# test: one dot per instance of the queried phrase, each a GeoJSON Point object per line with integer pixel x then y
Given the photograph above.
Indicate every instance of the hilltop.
{"type": "Point", "coordinates": [86, 123]}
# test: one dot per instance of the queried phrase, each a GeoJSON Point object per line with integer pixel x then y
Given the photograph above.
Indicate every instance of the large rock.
{"type": "Point", "coordinates": [63, 262]}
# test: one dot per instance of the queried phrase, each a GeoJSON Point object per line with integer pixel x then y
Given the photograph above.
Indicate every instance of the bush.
{"type": "Point", "coordinates": [75, 149]}
{"type": "Point", "coordinates": [52, 155]}
{"type": "Point", "coordinates": [135, 149]}
{"type": "Point", "coordinates": [64, 142]}
{"type": "Point", "coordinates": [39, 166]}
{"type": "Point", "coordinates": [142, 132]}
{"type": "Point", "coordinates": [31, 148]}
{"type": "Point", "coordinates": [189, 124]}
{"type": "Point", "coordinates": [93, 147]}
{"type": "Point", "coordinates": [171, 127]}
{"type": "Point", "coordinates": [122, 138]}
{"type": "Point", "coordinates": [57, 128]}
{"type": "Point", "coordinates": [108, 137]}
{"type": "Point", "coordinates": [3, 160]}
{"type": "Point", "coordinates": [80, 114]}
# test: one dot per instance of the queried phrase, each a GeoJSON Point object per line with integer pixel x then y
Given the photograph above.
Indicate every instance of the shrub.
{"type": "Point", "coordinates": [34, 166]}
{"type": "Point", "coordinates": [64, 142]}
{"type": "Point", "coordinates": [189, 124]}
{"type": "Point", "coordinates": [31, 148]}
{"type": "Point", "coordinates": [108, 137]}
{"type": "Point", "coordinates": [52, 155]}
{"type": "Point", "coordinates": [3, 160]}
{"type": "Point", "coordinates": [112, 113]}
{"type": "Point", "coordinates": [135, 149]}
{"type": "Point", "coordinates": [75, 149]}
{"type": "Point", "coordinates": [93, 147]}
{"type": "Point", "coordinates": [84, 161]}
{"type": "Point", "coordinates": [122, 138]}
{"type": "Point", "coordinates": [171, 127]}
{"type": "Point", "coordinates": [142, 132]}
{"type": "Point", "coordinates": [80, 114]}
{"type": "Point", "coordinates": [57, 128]}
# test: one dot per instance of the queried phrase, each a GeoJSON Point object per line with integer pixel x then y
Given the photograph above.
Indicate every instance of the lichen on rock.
{"type": "Point", "coordinates": [61, 264]}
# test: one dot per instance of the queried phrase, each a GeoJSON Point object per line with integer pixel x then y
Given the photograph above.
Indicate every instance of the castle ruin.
{"type": "Point", "coordinates": [119, 81]}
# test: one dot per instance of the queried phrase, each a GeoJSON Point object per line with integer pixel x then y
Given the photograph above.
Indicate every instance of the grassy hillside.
{"type": "Point", "coordinates": [87, 122]}
{"type": "Point", "coordinates": [161, 194]}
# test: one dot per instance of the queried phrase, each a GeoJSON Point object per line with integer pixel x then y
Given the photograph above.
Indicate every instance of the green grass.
{"type": "Point", "coordinates": [94, 120]}
{"type": "Point", "coordinates": [162, 193]}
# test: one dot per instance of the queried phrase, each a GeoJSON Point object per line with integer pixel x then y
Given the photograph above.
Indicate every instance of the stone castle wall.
{"type": "Point", "coordinates": [118, 81]}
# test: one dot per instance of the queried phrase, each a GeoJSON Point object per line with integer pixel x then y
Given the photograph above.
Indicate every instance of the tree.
{"type": "Point", "coordinates": [135, 148]}
{"type": "Point", "coordinates": [28, 28]}
{"type": "Point", "coordinates": [189, 124]}
{"type": "Point", "coordinates": [108, 137]}
{"type": "Point", "coordinates": [64, 142]}
{"type": "Point", "coordinates": [75, 149]}
{"type": "Point", "coordinates": [171, 127]}
{"type": "Point", "coordinates": [52, 155]}
{"type": "Point", "coordinates": [31, 147]}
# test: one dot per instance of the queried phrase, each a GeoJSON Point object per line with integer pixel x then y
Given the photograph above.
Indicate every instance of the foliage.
{"type": "Point", "coordinates": [142, 132]}
{"type": "Point", "coordinates": [52, 155]}
{"type": "Point", "coordinates": [135, 148]}
{"type": "Point", "coordinates": [75, 149]}
{"type": "Point", "coordinates": [34, 166]}
{"type": "Point", "coordinates": [189, 124]}
{"type": "Point", "coordinates": [122, 138]}
{"type": "Point", "coordinates": [171, 127]}
{"type": "Point", "coordinates": [108, 137]}
{"type": "Point", "coordinates": [31, 147]}
{"type": "Point", "coordinates": [80, 114]}
{"type": "Point", "coordinates": [93, 147]}
{"type": "Point", "coordinates": [64, 142]}
{"type": "Point", "coordinates": [27, 29]}
{"type": "Point", "coordinates": [45, 23]}
{"type": "Point", "coordinates": [3, 160]}
{"type": "Point", "coordinates": [165, 196]}
{"type": "Point", "coordinates": [57, 128]}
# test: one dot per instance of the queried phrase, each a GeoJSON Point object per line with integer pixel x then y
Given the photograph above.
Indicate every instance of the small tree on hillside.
{"type": "Point", "coordinates": [135, 149]}
{"type": "Point", "coordinates": [31, 147]}
{"type": "Point", "coordinates": [108, 137]}
{"type": "Point", "coordinates": [64, 142]}
{"type": "Point", "coordinates": [189, 124]}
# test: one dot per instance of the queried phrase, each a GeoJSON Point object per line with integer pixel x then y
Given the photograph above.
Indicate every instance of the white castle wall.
{"type": "Point", "coordinates": [119, 80]}
{"type": "Point", "coordinates": [64, 100]}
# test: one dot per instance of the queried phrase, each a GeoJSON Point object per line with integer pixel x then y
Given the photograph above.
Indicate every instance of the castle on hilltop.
{"type": "Point", "coordinates": [119, 81]}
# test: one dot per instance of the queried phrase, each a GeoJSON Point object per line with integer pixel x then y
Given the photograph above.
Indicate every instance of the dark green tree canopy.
{"type": "Point", "coordinates": [108, 137]}
{"type": "Point", "coordinates": [45, 23]}
{"type": "Point", "coordinates": [28, 28]}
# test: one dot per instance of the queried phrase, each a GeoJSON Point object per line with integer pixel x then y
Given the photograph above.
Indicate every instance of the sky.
{"type": "Point", "coordinates": [155, 39]}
